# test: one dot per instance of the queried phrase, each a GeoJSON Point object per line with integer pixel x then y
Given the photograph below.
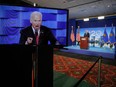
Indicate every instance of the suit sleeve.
{"type": "Point", "coordinates": [23, 38]}
{"type": "Point", "coordinates": [88, 35]}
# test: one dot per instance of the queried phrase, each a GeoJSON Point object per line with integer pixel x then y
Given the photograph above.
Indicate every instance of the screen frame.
{"type": "Point", "coordinates": [31, 6]}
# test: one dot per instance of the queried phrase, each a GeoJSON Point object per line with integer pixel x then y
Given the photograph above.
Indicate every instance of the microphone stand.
{"type": "Point", "coordinates": [35, 66]}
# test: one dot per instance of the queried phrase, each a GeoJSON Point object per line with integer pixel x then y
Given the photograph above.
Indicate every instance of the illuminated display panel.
{"type": "Point", "coordinates": [15, 18]}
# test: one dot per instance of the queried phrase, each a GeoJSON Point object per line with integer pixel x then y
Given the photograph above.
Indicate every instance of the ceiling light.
{"type": "Point", "coordinates": [34, 4]}
{"type": "Point", "coordinates": [101, 17]}
{"type": "Point", "coordinates": [86, 19]}
{"type": "Point", "coordinates": [108, 6]}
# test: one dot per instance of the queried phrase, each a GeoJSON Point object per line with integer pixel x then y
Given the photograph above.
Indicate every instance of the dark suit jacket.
{"type": "Point", "coordinates": [86, 35]}
{"type": "Point", "coordinates": [45, 36]}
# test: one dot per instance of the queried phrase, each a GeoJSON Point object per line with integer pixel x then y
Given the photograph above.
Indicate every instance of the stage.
{"type": "Point", "coordinates": [105, 52]}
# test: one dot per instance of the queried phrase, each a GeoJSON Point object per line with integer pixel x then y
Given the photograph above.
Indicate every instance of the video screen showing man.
{"type": "Point", "coordinates": [36, 33]}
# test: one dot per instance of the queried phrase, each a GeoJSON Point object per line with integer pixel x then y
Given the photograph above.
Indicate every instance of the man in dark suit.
{"type": "Point", "coordinates": [86, 34]}
{"type": "Point", "coordinates": [44, 34]}
{"type": "Point", "coordinates": [36, 34]}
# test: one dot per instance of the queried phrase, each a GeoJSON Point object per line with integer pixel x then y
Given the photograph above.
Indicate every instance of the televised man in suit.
{"type": "Point", "coordinates": [43, 34]}
{"type": "Point", "coordinates": [36, 34]}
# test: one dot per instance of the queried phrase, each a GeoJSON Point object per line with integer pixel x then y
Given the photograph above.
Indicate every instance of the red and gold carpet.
{"type": "Point", "coordinates": [76, 68]}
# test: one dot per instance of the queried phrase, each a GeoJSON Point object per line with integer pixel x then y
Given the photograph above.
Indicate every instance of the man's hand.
{"type": "Point", "coordinates": [29, 40]}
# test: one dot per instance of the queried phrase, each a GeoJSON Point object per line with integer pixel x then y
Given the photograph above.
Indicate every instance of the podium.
{"type": "Point", "coordinates": [84, 42]}
{"type": "Point", "coordinates": [16, 65]}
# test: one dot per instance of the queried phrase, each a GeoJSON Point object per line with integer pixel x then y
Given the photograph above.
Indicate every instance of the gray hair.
{"type": "Point", "coordinates": [35, 13]}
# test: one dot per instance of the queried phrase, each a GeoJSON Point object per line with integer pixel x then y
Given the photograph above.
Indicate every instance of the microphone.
{"type": "Point", "coordinates": [36, 32]}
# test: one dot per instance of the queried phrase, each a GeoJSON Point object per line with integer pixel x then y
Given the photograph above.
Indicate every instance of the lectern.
{"type": "Point", "coordinates": [16, 65]}
{"type": "Point", "coordinates": [84, 43]}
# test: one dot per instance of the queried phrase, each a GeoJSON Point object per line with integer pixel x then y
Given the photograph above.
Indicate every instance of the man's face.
{"type": "Point", "coordinates": [86, 31]}
{"type": "Point", "coordinates": [36, 21]}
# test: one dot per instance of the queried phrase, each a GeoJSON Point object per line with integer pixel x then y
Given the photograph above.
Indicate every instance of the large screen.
{"type": "Point", "coordinates": [15, 18]}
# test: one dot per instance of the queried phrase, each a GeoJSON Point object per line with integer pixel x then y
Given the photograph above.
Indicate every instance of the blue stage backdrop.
{"type": "Point", "coordinates": [97, 34]}
{"type": "Point", "coordinates": [15, 18]}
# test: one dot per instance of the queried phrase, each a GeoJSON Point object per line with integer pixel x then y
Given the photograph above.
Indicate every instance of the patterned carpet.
{"type": "Point", "coordinates": [76, 68]}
